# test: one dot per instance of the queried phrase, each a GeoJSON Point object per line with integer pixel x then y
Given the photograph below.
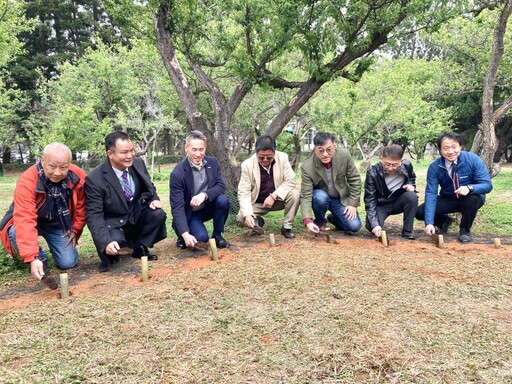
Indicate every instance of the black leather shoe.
{"type": "Point", "coordinates": [180, 243]}
{"type": "Point", "coordinates": [444, 228]}
{"type": "Point", "coordinates": [465, 236]}
{"type": "Point", "coordinates": [408, 235]}
{"type": "Point", "coordinates": [288, 233]}
{"type": "Point", "coordinates": [114, 259]}
{"type": "Point", "coordinates": [141, 250]}
{"type": "Point", "coordinates": [150, 256]}
{"type": "Point", "coordinates": [221, 242]}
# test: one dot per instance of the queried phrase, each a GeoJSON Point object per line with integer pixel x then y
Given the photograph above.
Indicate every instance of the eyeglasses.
{"type": "Point", "coordinates": [454, 148]}
{"type": "Point", "coordinates": [263, 158]}
{"type": "Point", "coordinates": [391, 165]}
{"type": "Point", "coordinates": [328, 151]}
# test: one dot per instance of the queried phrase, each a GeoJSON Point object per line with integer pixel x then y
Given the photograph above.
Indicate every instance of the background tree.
{"type": "Point", "coordinates": [110, 88]}
{"type": "Point", "coordinates": [486, 142]}
{"type": "Point", "coordinates": [465, 46]}
{"type": "Point", "coordinates": [256, 43]}
{"type": "Point", "coordinates": [62, 32]}
{"type": "Point", "coordinates": [394, 102]}
{"type": "Point", "coordinates": [12, 23]}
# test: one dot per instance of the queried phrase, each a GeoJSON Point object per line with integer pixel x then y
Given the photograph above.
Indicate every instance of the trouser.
{"type": "Point", "coordinates": [321, 202]}
{"type": "Point", "coordinates": [290, 205]}
{"type": "Point", "coordinates": [64, 257]}
{"type": "Point", "coordinates": [467, 205]}
{"type": "Point", "coordinates": [147, 231]}
{"type": "Point", "coordinates": [216, 210]}
{"type": "Point", "coordinates": [407, 203]}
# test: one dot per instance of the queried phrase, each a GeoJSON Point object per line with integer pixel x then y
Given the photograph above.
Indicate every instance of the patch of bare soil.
{"type": "Point", "coordinates": [86, 281]}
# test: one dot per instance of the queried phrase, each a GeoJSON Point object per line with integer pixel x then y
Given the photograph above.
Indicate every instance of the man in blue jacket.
{"type": "Point", "coordinates": [197, 195]}
{"type": "Point", "coordinates": [463, 180]}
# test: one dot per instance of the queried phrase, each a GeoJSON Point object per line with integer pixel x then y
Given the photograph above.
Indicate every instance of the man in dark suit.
{"type": "Point", "coordinates": [197, 195]}
{"type": "Point", "coordinates": [123, 210]}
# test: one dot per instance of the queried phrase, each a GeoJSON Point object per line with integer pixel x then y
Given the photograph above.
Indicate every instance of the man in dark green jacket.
{"type": "Point", "coordinates": [330, 181]}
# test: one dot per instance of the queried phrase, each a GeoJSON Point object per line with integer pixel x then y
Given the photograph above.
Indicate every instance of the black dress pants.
{"type": "Point", "coordinates": [407, 203]}
{"type": "Point", "coordinates": [149, 229]}
{"type": "Point", "coordinates": [468, 205]}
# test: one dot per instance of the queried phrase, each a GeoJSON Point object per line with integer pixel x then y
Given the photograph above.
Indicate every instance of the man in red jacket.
{"type": "Point", "coordinates": [49, 200]}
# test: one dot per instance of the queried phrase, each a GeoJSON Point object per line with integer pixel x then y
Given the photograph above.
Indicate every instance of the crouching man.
{"type": "Point", "coordinates": [267, 184]}
{"type": "Point", "coordinates": [49, 201]}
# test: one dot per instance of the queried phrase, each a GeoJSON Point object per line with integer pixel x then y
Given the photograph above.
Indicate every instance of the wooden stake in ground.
{"type": "Point", "coordinates": [384, 238]}
{"type": "Point", "coordinates": [440, 241]}
{"type": "Point", "coordinates": [497, 242]}
{"type": "Point", "coordinates": [272, 240]}
{"type": "Point", "coordinates": [213, 247]}
{"type": "Point", "coordinates": [145, 269]}
{"type": "Point", "coordinates": [64, 288]}
{"type": "Point", "coordinates": [329, 239]}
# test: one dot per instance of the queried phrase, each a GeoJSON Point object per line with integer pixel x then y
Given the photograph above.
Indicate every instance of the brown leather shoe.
{"type": "Point", "coordinates": [323, 229]}
{"type": "Point", "coordinates": [49, 281]}
{"type": "Point", "coordinates": [201, 246]}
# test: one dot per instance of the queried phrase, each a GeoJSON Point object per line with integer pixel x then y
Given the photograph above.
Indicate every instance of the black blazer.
{"type": "Point", "coordinates": [181, 185]}
{"type": "Point", "coordinates": [105, 204]}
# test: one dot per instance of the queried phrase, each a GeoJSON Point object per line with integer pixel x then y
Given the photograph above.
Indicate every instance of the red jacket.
{"type": "Point", "coordinates": [27, 201]}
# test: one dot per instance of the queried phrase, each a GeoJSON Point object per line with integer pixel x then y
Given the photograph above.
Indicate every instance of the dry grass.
{"type": "Point", "coordinates": [303, 312]}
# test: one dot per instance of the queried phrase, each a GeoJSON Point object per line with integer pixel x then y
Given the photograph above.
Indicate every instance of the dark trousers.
{"type": "Point", "coordinates": [216, 210]}
{"type": "Point", "coordinates": [148, 230]}
{"type": "Point", "coordinates": [468, 205]}
{"type": "Point", "coordinates": [407, 203]}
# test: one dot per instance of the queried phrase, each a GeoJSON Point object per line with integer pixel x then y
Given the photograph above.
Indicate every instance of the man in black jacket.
{"type": "Point", "coordinates": [123, 210]}
{"type": "Point", "coordinates": [390, 189]}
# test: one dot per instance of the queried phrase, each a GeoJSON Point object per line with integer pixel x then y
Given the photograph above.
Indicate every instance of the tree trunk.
{"type": "Point", "coordinates": [217, 135]}
{"type": "Point", "coordinates": [487, 128]}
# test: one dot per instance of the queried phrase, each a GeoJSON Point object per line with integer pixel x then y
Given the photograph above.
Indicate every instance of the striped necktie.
{"type": "Point", "coordinates": [126, 186]}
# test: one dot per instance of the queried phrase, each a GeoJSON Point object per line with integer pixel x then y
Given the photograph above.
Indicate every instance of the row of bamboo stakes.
{"type": "Point", "coordinates": [64, 283]}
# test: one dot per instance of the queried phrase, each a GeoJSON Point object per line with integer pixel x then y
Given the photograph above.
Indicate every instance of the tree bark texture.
{"type": "Point", "coordinates": [489, 141]}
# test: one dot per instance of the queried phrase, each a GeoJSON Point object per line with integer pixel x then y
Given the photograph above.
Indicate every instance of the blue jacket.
{"type": "Point", "coordinates": [471, 170]}
{"type": "Point", "coordinates": [181, 184]}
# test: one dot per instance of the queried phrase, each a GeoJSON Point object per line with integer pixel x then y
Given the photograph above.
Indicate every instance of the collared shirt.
{"type": "Point", "coordinates": [119, 175]}
{"type": "Point", "coordinates": [450, 166]}
{"type": "Point", "coordinates": [200, 180]}
{"type": "Point", "coordinates": [267, 185]}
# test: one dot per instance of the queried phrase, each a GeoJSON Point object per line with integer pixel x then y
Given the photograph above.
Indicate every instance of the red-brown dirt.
{"type": "Point", "coordinates": [85, 281]}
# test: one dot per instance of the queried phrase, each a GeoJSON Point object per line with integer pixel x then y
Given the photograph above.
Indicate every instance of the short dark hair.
{"type": "Point", "coordinates": [112, 137]}
{"type": "Point", "coordinates": [323, 137]}
{"type": "Point", "coordinates": [393, 151]}
{"type": "Point", "coordinates": [264, 143]}
{"type": "Point", "coordinates": [449, 135]}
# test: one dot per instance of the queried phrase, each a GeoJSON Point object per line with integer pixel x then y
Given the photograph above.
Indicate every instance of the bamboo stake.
{"type": "Point", "coordinates": [329, 239]}
{"type": "Point", "coordinates": [497, 242]}
{"type": "Point", "coordinates": [145, 269]}
{"type": "Point", "coordinates": [272, 240]}
{"type": "Point", "coordinates": [440, 241]}
{"type": "Point", "coordinates": [213, 247]}
{"type": "Point", "coordinates": [64, 287]}
{"type": "Point", "coordinates": [384, 238]}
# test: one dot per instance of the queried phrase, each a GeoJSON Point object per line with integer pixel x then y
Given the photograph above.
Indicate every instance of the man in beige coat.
{"type": "Point", "coordinates": [267, 184]}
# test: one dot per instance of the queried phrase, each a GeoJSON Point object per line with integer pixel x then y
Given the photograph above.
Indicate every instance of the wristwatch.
{"type": "Point", "coordinates": [470, 187]}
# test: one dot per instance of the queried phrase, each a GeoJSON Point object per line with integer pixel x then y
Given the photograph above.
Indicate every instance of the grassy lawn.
{"type": "Point", "coordinates": [304, 311]}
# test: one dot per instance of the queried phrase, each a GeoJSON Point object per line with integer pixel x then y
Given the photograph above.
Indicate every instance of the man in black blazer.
{"type": "Point", "coordinates": [197, 195]}
{"type": "Point", "coordinates": [123, 210]}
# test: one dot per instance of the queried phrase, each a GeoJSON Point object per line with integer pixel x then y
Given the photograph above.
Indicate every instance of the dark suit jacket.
{"type": "Point", "coordinates": [105, 204]}
{"type": "Point", "coordinates": [181, 185]}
